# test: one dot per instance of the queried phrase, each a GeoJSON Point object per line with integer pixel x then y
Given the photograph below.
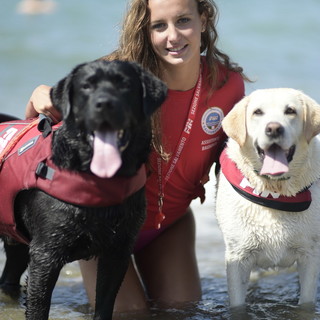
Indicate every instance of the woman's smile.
{"type": "Point", "coordinates": [175, 31]}
{"type": "Point", "coordinates": [177, 50]}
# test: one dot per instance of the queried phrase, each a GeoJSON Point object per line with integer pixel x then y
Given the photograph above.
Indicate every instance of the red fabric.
{"type": "Point", "coordinates": [18, 172]}
{"type": "Point", "coordinates": [200, 151]}
{"type": "Point", "coordinates": [300, 202]}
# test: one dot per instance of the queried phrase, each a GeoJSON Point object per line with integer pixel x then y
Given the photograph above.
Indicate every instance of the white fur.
{"type": "Point", "coordinates": [257, 236]}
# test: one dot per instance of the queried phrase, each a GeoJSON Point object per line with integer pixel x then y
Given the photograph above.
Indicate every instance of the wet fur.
{"type": "Point", "coordinates": [60, 232]}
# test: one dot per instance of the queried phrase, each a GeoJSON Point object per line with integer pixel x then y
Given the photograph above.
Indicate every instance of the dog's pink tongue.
{"type": "Point", "coordinates": [106, 158]}
{"type": "Point", "coordinates": [275, 162]}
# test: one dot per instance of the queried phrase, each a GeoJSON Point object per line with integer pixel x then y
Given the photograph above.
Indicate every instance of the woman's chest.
{"type": "Point", "coordinates": [195, 128]}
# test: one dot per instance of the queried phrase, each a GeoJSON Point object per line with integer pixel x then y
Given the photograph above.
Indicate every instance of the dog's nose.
{"type": "Point", "coordinates": [274, 129]}
{"type": "Point", "coordinates": [104, 103]}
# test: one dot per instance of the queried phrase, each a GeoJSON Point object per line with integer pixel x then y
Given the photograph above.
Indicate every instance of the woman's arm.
{"type": "Point", "coordinates": [40, 102]}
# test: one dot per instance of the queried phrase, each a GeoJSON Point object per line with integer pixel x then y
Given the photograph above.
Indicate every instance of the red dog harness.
{"type": "Point", "coordinates": [25, 163]}
{"type": "Point", "coordinates": [300, 202]}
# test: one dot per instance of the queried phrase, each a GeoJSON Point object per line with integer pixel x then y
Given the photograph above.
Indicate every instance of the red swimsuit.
{"type": "Point", "coordinates": [200, 151]}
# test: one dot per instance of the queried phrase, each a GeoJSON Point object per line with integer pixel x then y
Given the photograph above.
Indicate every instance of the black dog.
{"type": "Point", "coordinates": [106, 109]}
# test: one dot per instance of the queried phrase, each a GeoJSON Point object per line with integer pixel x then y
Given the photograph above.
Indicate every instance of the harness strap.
{"type": "Point", "coordinates": [300, 202]}
{"type": "Point", "coordinates": [274, 204]}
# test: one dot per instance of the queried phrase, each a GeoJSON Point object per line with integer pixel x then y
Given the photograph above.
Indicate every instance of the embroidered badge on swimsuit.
{"type": "Point", "coordinates": [211, 120]}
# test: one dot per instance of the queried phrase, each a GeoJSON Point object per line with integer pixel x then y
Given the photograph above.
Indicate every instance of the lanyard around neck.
{"type": "Point", "coordinates": [176, 155]}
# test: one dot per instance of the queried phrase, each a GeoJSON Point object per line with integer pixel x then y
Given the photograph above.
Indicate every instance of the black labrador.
{"type": "Point", "coordinates": [106, 132]}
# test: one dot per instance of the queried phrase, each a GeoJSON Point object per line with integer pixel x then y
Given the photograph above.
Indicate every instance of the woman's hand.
{"type": "Point", "coordinates": [40, 102]}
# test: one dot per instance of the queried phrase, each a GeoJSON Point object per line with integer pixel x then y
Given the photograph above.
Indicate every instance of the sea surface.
{"type": "Point", "coordinates": [277, 42]}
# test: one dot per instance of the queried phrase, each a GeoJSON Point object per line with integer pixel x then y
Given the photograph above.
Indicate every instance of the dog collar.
{"type": "Point", "coordinates": [300, 202]}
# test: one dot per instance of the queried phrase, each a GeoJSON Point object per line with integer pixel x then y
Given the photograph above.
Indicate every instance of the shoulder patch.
{"type": "Point", "coordinates": [211, 120]}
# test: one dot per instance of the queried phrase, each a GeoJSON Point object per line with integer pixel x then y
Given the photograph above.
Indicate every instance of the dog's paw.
{"type": "Point", "coordinates": [11, 290]}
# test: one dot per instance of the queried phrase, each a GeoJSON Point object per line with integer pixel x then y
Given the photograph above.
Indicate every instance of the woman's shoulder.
{"type": "Point", "coordinates": [229, 85]}
{"type": "Point", "coordinates": [224, 74]}
{"type": "Point", "coordinates": [234, 85]}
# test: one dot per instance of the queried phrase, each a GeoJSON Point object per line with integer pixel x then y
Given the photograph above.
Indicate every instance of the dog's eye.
{"type": "Point", "coordinates": [121, 81]}
{"type": "Point", "coordinates": [258, 112]}
{"type": "Point", "coordinates": [290, 111]}
{"type": "Point", "coordinates": [126, 84]}
{"type": "Point", "coordinates": [86, 86]}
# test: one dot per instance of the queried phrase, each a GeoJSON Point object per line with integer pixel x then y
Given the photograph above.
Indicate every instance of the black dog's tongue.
{"type": "Point", "coordinates": [106, 158]}
{"type": "Point", "coordinates": [275, 162]}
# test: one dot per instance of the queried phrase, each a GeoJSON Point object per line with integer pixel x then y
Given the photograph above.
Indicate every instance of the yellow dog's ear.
{"type": "Point", "coordinates": [234, 124]}
{"type": "Point", "coordinates": [311, 116]}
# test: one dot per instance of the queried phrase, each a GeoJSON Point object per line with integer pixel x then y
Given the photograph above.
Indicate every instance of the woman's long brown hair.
{"type": "Point", "coordinates": [135, 45]}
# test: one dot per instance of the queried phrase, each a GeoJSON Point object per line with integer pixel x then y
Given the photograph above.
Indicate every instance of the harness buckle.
{"type": "Point", "coordinates": [45, 125]}
{"type": "Point", "coordinates": [44, 172]}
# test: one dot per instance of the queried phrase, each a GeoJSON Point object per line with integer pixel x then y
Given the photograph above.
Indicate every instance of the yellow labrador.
{"type": "Point", "coordinates": [268, 198]}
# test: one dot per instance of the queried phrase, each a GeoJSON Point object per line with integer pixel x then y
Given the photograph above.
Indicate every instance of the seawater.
{"type": "Point", "coordinates": [278, 45]}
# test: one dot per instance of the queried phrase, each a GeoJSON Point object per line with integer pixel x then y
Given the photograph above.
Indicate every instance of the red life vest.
{"type": "Point", "coordinates": [300, 202]}
{"type": "Point", "coordinates": [25, 163]}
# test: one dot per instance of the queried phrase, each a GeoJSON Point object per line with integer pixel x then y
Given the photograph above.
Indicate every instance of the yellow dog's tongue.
{"type": "Point", "coordinates": [106, 158]}
{"type": "Point", "coordinates": [275, 162]}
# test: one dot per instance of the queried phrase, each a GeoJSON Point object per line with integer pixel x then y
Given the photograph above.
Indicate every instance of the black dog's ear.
{"type": "Point", "coordinates": [154, 90]}
{"type": "Point", "coordinates": [61, 92]}
{"type": "Point", "coordinates": [60, 96]}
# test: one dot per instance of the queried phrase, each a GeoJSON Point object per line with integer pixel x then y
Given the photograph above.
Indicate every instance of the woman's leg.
{"type": "Point", "coordinates": [131, 296]}
{"type": "Point", "coordinates": [89, 275]}
{"type": "Point", "coordinates": [168, 265]}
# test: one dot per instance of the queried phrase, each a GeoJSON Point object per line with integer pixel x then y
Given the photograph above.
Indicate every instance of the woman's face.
{"type": "Point", "coordinates": [175, 30]}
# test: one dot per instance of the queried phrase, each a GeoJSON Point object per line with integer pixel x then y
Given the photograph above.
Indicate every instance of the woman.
{"type": "Point", "coordinates": [167, 37]}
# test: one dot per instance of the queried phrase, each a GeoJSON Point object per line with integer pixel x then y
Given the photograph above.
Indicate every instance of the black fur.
{"type": "Point", "coordinates": [95, 96]}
